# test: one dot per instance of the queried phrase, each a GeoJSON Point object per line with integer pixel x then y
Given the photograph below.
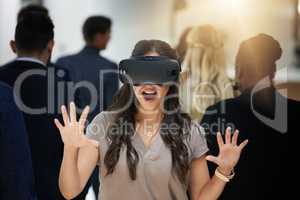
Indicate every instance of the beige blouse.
{"type": "Point", "coordinates": [154, 178]}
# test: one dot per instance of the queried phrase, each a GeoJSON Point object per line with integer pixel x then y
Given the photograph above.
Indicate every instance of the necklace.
{"type": "Point", "coordinates": [148, 130]}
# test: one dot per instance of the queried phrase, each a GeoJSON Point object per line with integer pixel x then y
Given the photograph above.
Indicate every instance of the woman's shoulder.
{"type": "Point", "coordinates": [196, 128]}
{"type": "Point", "coordinates": [197, 141]}
{"type": "Point", "coordinates": [190, 125]}
{"type": "Point", "coordinates": [193, 131]}
{"type": "Point", "coordinates": [100, 124]}
{"type": "Point", "coordinates": [105, 116]}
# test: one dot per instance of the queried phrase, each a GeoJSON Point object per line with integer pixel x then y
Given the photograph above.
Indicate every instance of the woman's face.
{"type": "Point", "coordinates": [150, 96]}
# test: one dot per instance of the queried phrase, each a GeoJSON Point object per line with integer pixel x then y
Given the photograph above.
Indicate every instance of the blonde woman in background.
{"type": "Point", "coordinates": [203, 80]}
{"type": "Point", "coordinates": [182, 47]}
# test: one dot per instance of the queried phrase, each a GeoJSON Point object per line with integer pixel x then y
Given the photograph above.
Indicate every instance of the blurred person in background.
{"type": "Point", "coordinates": [182, 46]}
{"type": "Point", "coordinates": [31, 8]}
{"type": "Point", "coordinates": [35, 8]}
{"type": "Point", "coordinates": [16, 173]}
{"type": "Point", "coordinates": [88, 64]}
{"type": "Point", "coordinates": [38, 96]}
{"type": "Point", "coordinates": [203, 79]}
{"type": "Point", "coordinates": [264, 169]}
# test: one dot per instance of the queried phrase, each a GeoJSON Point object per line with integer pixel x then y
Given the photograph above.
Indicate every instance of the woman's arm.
{"type": "Point", "coordinates": [80, 153]}
{"type": "Point", "coordinates": [76, 168]}
{"type": "Point", "coordinates": [199, 177]}
{"type": "Point", "coordinates": [201, 186]}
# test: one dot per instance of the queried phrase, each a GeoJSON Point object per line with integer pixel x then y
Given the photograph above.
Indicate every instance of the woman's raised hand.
{"type": "Point", "coordinates": [72, 132]}
{"type": "Point", "coordinates": [229, 152]}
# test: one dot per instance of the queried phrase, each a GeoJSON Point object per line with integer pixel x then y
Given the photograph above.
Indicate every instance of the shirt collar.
{"type": "Point", "coordinates": [30, 59]}
{"type": "Point", "coordinates": [91, 50]}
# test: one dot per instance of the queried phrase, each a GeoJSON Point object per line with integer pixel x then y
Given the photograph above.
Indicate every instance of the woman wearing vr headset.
{"type": "Point", "coordinates": [146, 148]}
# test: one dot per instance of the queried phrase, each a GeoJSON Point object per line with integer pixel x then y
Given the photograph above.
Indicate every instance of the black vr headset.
{"type": "Point", "coordinates": [149, 70]}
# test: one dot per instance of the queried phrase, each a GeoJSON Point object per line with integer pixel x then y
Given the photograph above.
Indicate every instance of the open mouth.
{"type": "Point", "coordinates": [149, 95]}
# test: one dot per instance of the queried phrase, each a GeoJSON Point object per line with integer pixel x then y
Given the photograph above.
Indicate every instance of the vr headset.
{"type": "Point", "coordinates": [149, 70]}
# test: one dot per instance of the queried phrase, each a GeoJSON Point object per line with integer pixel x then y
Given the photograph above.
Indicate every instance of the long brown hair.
{"type": "Point", "coordinates": [174, 141]}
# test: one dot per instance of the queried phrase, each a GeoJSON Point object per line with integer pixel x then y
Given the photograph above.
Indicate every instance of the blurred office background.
{"type": "Point", "coordinates": [134, 20]}
{"type": "Point", "coordinates": [143, 19]}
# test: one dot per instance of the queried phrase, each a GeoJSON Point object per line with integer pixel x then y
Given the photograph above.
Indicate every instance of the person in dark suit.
{"type": "Point", "coordinates": [39, 91]}
{"type": "Point", "coordinates": [35, 8]}
{"type": "Point", "coordinates": [98, 74]}
{"type": "Point", "coordinates": [87, 65]}
{"type": "Point", "coordinates": [16, 173]}
{"type": "Point", "coordinates": [262, 115]}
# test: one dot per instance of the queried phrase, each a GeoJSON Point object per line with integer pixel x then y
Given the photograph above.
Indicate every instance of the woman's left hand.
{"type": "Point", "coordinates": [229, 152]}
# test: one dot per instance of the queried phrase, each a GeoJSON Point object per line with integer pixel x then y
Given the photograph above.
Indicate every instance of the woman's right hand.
{"type": "Point", "coordinates": [72, 132]}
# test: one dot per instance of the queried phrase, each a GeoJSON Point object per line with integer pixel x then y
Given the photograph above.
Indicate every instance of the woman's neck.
{"type": "Point", "coordinates": [147, 125]}
{"type": "Point", "coordinates": [153, 117]}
